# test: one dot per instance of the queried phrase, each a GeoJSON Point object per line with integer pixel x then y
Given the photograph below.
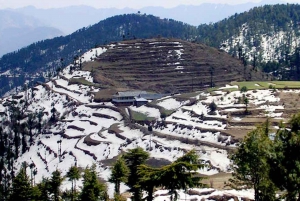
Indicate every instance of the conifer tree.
{"type": "Point", "coordinates": [55, 183]}
{"type": "Point", "coordinates": [73, 175]}
{"type": "Point", "coordinates": [119, 174]}
{"type": "Point", "coordinates": [133, 158]}
{"type": "Point", "coordinates": [148, 179]}
{"type": "Point", "coordinates": [42, 190]}
{"type": "Point", "coordinates": [181, 174]}
{"type": "Point", "coordinates": [246, 102]}
{"type": "Point", "coordinates": [92, 189]}
{"type": "Point", "coordinates": [251, 164]}
{"type": "Point", "coordinates": [21, 189]}
{"type": "Point", "coordinates": [285, 171]}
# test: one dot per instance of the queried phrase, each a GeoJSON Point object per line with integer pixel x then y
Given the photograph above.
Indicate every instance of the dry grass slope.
{"type": "Point", "coordinates": [166, 66]}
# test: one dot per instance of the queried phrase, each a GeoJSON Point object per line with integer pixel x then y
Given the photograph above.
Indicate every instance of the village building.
{"type": "Point", "coordinates": [136, 98]}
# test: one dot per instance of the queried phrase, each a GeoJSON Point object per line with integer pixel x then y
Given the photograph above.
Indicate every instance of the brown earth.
{"type": "Point", "coordinates": [155, 65]}
{"type": "Point", "coordinates": [217, 181]}
{"type": "Point", "coordinates": [291, 103]}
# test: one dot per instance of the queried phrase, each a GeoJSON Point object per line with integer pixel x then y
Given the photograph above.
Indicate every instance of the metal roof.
{"type": "Point", "coordinates": [130, 93]}
{"type": "Point", "coordinates": [123, 101]}
{"type": "Point", "coordinates": [140, 99]}
{"type": "Point", "coordinates": [152, 96]}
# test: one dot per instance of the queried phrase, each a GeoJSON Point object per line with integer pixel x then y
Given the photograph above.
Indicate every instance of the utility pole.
{"type": "Point", "coordinates": [59, 150]}
{"type": "Point", "coordinates": [32, 165]}
{"type": "Point", "coordinates": [150, 129]}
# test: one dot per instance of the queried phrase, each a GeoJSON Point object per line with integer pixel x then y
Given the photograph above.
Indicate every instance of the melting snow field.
{"type": "Point", "coordinates": [170, 103]}
{"type": "Point", "coordinates": [162, 195]}
{"type": "Point", "coordinates": [91, 133]}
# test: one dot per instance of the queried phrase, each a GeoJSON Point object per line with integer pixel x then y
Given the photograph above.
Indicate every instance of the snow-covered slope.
{"type": "Point", "coordinates": [271, 46]}
{"type": "Point", "coordinates": [91, 133]}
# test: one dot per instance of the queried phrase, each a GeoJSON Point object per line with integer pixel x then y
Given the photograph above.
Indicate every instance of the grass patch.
{"type": "Point", "coordinates": [249, 85]}
{"type": "Point", "coordinates": [166, 112]}
{"type": "Point", "coordinates": [265, 85]}
{"type": "Point", "coordinates": [80, 81]}
{"type": "Point", "coordinates": [137, 116]}
{"type": "Point", "coordinates": [287, 84]}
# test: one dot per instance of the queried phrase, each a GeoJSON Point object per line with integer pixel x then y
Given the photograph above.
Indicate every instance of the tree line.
{"type": "Point", "coordinates": [265, 161]}
{"type": "Point", "coordinates": [270, 164]}
{"type": "Point", "coordinates": [44, 56]}
{"type": "Point", "coordinates": [129, 168]}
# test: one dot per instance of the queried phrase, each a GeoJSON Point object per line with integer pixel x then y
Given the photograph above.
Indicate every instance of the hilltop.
{"type": "Point", "coordinates": [40, 60]}
{"type": "Point", "coordinates": [166, 66]}
{"type": "Point", "coordinates": [63, 112]}
{"type": "Point", "coordinates": [265, 37]}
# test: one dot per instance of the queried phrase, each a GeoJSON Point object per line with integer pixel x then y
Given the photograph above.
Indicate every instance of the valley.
{"type": "Point", "coordinates": [79, 128]}
{"type": "Point", "coordinates": [218, 102]}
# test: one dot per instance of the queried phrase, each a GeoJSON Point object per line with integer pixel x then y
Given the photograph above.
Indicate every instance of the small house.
{"type": "Point", "coordinates": [126, 98]}
{"type": "Point", "coordinates": [140, 101]}
{"type": "Point", "coordinates": [136, 98]}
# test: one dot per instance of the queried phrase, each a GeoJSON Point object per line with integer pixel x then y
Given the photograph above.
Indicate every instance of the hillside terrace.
{"type": "Point", "coordinates": [136, 98]}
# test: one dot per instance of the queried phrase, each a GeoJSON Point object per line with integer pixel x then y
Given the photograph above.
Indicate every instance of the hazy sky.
{"type": "Point", "coordinates": [116, 3]}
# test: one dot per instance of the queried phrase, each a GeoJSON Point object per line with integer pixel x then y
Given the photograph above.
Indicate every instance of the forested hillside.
{"type": "Point", "coordinates": [45, 56]}
{"type": "Point", "coordinates": [266, 36]}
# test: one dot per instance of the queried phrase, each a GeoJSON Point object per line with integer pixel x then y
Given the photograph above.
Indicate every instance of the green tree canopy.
{"type": "Point", "coordinates": [92, 189]}
{"type": "Point", "coordinates": [133, 158]}
{"type": "Point", "coordinates": [73, 174]}
{"type": "Point", "coordinates": [55, 183]}
{"type": "Point", "coordinates": [119, 174]}
{"type": "Point", "coordinates": [286, 159]}
{"type": "Point", "coordinates": [181, 174]}
{"type": "Point", "coordinates": [251, 164]}
{"type": "Point", "coordinates": [21, 189]}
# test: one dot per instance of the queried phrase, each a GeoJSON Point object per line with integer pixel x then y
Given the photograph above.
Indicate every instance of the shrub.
{"type": "Point", "coordinates": [244, 89]}
{"type": "Point", "coordinates": [212, 106]}
{"type": "Point", "coordinates": [163, 115]}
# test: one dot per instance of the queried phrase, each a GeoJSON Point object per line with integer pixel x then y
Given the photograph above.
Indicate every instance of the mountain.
{"type": "Point", "coordinates": [266, 36]}
{"type": "Point", "coordinates": [60, 123]}
{"type": "Point", "coordinates": [18, 30]}
{"type": "Point", "coordinates": [37, 59]}
{"type": "Point", "coordinates": [166, 66]}
{"type": "Point", "coordinates": [69, 19]}
{"type": "Point", "coordinates": [268, 32]}
{"type": "Point", "coordinates": [205, 13]}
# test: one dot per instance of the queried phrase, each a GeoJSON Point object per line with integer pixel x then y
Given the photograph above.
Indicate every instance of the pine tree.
{"type": "Point", "coordinates": [285, 163]}
{"type": "Point", "coordinates": [133, 158]}
{"type": "Point", "coordinates": [53, 112]}
{"type": "Point", "coordinates": [246, 102]}
{"type": "Point", "coordinates": [73, 175]}
{"type": "Point", "coordinates": [30, 125]}
{"type": "Point", "coordinates": [92, 189]}
{"type": "Point", "coordinates": [119, 174]}
{"type": "Point", "coordinates": [42, 190]}
{"type": "Point", "coordinates": [21, 189]}
{"type": "Point", "coordinates": [181, 174]}
{"type": "Point", "coordinates": [251, 164]}
{"type": "Point", "coordinates": [55, 183]}
{"type": "Point", "coordinates": [148, 179]}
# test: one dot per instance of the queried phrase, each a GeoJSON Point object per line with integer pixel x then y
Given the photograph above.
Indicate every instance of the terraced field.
{"type": "Point", "coordinates": [93, 132]}
{"type": "Point", "coordinates": [166, 65]}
